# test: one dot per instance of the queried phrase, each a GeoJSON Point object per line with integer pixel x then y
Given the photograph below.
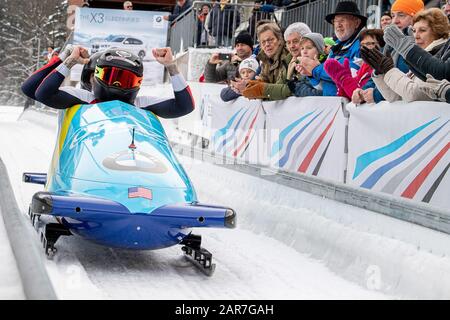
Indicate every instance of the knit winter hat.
{"type": "Point", "coordinates": [249, 63]}
{"type": "Point", "coordinates": [329, 41]}
{"type": "Point", "coordinates": [410, 7]}
{"type": "Point", "coordinates": [318, 41]}
{"type": "Point", "coordinates": [245, 38]}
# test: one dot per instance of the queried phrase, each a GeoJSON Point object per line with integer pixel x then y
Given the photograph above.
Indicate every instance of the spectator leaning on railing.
{"type": "Point", "coordinates": [259, 12]}
{"type": "Point", "coordinates": [181, 6]}
{"type": "Point", "coordinates": [222, 22]}
{"type": "Point", "coordinates": [431, 31]}
{"type": "Point", "coordinates": [274, 59]}
{"type": "Point", "coordinates": [202, 33]}
{"type": "Point", "coordinates": [217, 70]}
{"type": "Point", "coordinates": [348, 23]}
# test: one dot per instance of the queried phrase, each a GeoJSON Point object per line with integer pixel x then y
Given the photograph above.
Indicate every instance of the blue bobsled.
{"type": "Point", "coordinates": [114, 180]}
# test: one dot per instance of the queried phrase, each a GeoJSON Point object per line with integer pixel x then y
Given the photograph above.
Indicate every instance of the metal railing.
{"type": "Point", "coordinates": [220, 29]}
{"type": "Point", "coordinates": [190, 29]}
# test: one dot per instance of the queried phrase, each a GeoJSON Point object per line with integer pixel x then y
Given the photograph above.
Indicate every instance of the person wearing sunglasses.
{"type": "Point", "coordinates": [128, 5]}
{"type": "Point", "coordinates": [118, 76]}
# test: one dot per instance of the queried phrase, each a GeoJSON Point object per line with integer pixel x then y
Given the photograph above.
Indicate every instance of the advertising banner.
{"type": "Point", "coordinates": [401, 149]}
{"type": "Point", "coordinates": [131, 30]}
{"type": "Point", "coordinates": [307, 135]}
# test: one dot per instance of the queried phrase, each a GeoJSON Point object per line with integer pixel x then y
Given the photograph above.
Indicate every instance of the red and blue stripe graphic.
{"type": "Point", "coordinates": [244, 120]}
{"type": "Point", "coordinates": [288, 149]}
{"type": "Point", "coordinates": [433, 143]}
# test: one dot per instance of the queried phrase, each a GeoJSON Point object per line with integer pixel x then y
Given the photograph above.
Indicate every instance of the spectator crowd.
{"type": "Point", "coordinates": [406, 59]}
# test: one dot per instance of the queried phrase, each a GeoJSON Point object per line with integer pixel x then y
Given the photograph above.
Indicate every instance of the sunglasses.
{"type": "Point", "coordinates": [116, 77]}
{"type": "Point", "coordinates": [129, 6]}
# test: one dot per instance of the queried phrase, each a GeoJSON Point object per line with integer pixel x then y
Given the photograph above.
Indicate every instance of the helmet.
{"type": "Point", "coordinates": [118, 76]}
{"type": "Point", "coordinates": [89, 70]}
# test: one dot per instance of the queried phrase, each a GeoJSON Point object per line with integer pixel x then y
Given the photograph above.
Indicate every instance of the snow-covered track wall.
{"type": "Point", "coordinates": [403, 209]}
{"type": "Point", "coordinates": [35, 280]}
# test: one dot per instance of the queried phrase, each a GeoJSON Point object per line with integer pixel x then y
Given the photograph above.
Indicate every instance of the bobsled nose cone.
{"type": "Point", "coordinates": [230, 219]}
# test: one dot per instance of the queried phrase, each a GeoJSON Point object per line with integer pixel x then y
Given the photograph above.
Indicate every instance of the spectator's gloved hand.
{"type": "Point", "coordinates": [435, 89]}
{"type": "Point", "coordinates": [338, 72]}
{"type": "Point", "coordinates": [67, 51]}
{"type": "Point", "coordinates": [379, 62]}
{"type": "Point", "coordinates": [291, 85]}
{"type": "Point", "coordinates": [395, 38]}
{"type": "Point", "coordinates": [342, 76]}
{"type": "Point", "coordinates": [254, 90]}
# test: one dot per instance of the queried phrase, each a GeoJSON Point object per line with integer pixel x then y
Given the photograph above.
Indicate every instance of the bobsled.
{"type": "Point", "coordinates": [115, 180]}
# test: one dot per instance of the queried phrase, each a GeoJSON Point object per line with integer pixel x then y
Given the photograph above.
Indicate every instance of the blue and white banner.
{"type": "Point", "coordinates": [307, 135]}
{"type": "Point", "coordinates": [237, 129]}
{"type": "Point", "coordinates": [132, 30]}
{"type": "Point", "coordinates": [401, 149]}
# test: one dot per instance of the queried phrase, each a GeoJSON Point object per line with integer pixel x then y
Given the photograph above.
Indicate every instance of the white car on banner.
{"type": "Point", "coordinates": [128, 43]}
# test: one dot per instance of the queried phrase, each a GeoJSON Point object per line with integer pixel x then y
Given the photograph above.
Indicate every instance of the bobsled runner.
{"type": "Point", "coordinates": [115, 180]}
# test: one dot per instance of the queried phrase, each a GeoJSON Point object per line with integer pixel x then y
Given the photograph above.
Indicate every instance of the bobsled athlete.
{"type": "Point", "coordinates": [87, 74]}
{"type": "Point", "coordinates": [30, 86]}
{"type": "Point", "coordinates": [118, 76]}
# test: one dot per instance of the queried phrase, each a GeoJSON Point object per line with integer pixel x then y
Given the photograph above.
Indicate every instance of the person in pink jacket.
{"type": "Point", "coordinates": [350, 85]}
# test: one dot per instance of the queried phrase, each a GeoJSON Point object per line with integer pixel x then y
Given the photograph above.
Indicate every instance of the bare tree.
{"type": "Point", "coordinates": [26, 29]}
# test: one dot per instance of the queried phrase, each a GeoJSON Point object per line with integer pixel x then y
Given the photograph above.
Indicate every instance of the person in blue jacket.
{"type": "Point", "coordinates": [348, 23]}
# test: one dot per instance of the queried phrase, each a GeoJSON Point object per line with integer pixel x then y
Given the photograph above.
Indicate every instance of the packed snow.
{"type": "Point", "coordinates": [288, 244]}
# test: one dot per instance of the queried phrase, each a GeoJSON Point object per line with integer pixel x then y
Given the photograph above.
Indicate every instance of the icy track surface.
{"type": "Point", "coordinates": [251, 262]}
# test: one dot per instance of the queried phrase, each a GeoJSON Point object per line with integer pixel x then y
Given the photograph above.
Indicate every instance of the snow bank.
{"type": "Point", "coordinates": [378, 252]}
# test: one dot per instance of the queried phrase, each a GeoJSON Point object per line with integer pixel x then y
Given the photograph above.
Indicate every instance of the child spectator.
{"type": "Point", "coordinates": [312, 47]}
{"type": "Point", "coordinates": [329, 43]}
{"type": "Point", "coordinates": [247, 71]}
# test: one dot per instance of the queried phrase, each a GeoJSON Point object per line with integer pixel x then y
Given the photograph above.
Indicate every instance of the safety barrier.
{"type": "Point", "coordinates": [35, 280]}
{"type": "Point", "coordinates": [399, 148]}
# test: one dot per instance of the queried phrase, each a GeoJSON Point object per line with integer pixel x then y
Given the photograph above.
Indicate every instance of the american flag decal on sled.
{"type": "Point", "coordinates": [139, 192]}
